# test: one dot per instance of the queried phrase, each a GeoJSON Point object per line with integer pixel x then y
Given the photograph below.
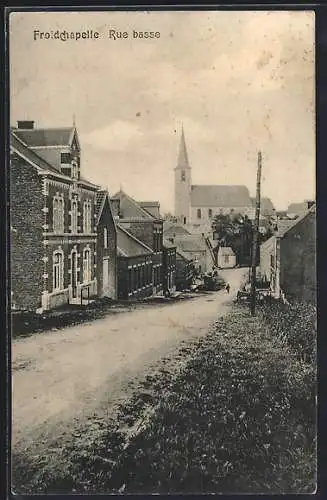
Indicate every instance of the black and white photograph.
{"type": "Point", "coordinates": [162, 171]}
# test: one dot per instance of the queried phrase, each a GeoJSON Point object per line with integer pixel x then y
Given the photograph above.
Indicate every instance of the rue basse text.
{"type": "Point", "coordinates": [117, 35]}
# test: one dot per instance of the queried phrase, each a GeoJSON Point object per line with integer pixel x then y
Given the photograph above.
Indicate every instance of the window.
{"type": "Point", "coordinates": [58, 214]}
{"type": "Point", "coordinates": [65, 158]}
{"type": "Point", "coordinates": [74, 216]}
{"type": "Point", "coordinates": [183, 176]}
{"type": "Point", "coordinates": [87, 217]}
{"type": "Point", "coordinates": [226, 259]}
{"type": "Point", "coordinates": [58, 270]}
{"type": "Point", "coordinates": [198, 213]}
{"type": "Point", "coordinates": [105, 237]}
{"type": "Point", "coordinates": [210, 213]}
{"type": "Point", "coordinates": [74, 170]}
{"type": "Point", "coordinates": [87, 270]}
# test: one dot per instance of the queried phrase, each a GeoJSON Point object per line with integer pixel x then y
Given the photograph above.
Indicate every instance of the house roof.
{"type": "Point", "coordinates": [180, 253]}
{"type": "Point", "coordinates": [226, 251]}
{"type": "Point", "coordinates": [175, 229]}
{"type": "Point", "coordinates": [297, 208]}
{"type": "Point", "coordinates": [285, 225]}
{"type": "Point", "coordinates": [129, 246]}
{"type": "Point", "coordinates": [220, 196]}
{"type": "Point", "coordinates": [23, 150]}
{"type": "Point", "coordinates": [283, 231]}
{"type": "Point", "coordinates": [191, 244]}
{"type": "Point", "coordinates": [168, 244]}
{"type": "Point", "coordinates": [130, 208]}
{"type": "Point", "coordinates": [46, 137]}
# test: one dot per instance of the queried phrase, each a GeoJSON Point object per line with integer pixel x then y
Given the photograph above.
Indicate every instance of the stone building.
{"type": "Point", "coordinates": [53, 220]}
{"type": "Point", "coordinates": [288, 259]}
{"type": "Point", "coordinates": [146, 228]}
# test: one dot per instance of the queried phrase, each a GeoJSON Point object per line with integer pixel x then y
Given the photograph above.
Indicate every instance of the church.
{"type": "Point", "coordinates": [197, 205]}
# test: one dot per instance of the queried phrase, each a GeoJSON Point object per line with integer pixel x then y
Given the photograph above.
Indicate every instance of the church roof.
{"type": "Point", "coordinates": [183, 161]}
{"type": "Point", "coordinates": [220, 196]}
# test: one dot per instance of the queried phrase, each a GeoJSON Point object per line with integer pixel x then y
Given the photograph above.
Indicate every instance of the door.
{"type": "Point", "coordinates": [105, 274]}
{"type": "Point", "coordinates": [74, 274]}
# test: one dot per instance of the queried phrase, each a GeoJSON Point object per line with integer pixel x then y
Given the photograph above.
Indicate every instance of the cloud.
{"type": "Point", "coordinates": [118, 136]}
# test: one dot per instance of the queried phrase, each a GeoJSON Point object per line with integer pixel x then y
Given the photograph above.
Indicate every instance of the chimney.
{"type": "Point", "coordinates": [25, 124]}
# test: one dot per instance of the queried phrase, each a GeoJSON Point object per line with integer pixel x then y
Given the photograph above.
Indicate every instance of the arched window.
{"type": "Point", "coordinates": [210, 213]}
{"type": "Point", "coordinates": [183, 176]}
{"type": "Point", "coordinates": [87, 217]}
{"type": "Point", "coordinates": [105, 237]}
{"type": "Point", "coordinates": [58, 214]}
{"type": "Point", "coordinates": [87, 270]}
{"type": "Point", "coordinates": [74, 216]}
{"type": "Point", "coordinates": [198, 212]}
{"type": "Point", "coordinates": [58, 270]}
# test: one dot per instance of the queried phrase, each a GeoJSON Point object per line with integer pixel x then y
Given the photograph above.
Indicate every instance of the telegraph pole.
{"type": "Point", "coordinates": [255, 236]}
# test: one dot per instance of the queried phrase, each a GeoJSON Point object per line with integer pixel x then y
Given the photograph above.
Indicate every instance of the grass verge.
{"type": "Point", "coordinates": [239, 417]}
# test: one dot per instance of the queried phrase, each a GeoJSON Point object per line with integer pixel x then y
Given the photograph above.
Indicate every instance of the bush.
{"type": "Point", "coordinates": [296, 324]}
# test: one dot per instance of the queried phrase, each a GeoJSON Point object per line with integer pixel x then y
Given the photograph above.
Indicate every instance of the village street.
{"type": "Point", "coordinates": [62, 377]}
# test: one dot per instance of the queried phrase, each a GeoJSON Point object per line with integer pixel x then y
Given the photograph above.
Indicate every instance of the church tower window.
{"type": "Point", "coordinates": [183, 176]}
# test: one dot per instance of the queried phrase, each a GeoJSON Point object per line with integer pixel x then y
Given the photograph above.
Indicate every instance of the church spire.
{"type": "Point", "coordinates": [182, 155]}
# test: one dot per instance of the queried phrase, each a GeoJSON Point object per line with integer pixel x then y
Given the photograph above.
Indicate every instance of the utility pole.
{"type": "Point", "coordinates": [255, 236]}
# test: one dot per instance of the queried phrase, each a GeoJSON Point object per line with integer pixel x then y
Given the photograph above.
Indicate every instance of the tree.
{"type": "Point", "coordinates": [234, 230]}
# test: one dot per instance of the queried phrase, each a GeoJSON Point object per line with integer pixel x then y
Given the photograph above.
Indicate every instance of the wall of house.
{"type": "Point", "coordinates": [135, 277]}
{"type": "Point", "coordinates": [107, 221]}
{"type": "Point", "coordinates": [298, 261]}
{"type": "Point", "coordinates": [267, 253]}
{"type": "Point", "coordinates": [169, 269]}
{"type": "Point", "coordinates": [226, 264]}
{"type": "Point", "coordinates": [26, 248]}
{"type": "Point", "coordinates": [246, 210]}
{"type": "Point", "coordinates": [184, 273]}
{"type": "Point", "coordinates": [145, 232]}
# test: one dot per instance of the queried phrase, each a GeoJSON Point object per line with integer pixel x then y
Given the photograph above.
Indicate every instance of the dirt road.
{"type": "Point", "coordinates": [63, 376]}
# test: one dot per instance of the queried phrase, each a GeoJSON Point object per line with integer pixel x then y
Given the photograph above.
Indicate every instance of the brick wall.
{"type": "Point", "coordinates": [26, 236]}
{"type": "Point", "coordinates": [123, 277]}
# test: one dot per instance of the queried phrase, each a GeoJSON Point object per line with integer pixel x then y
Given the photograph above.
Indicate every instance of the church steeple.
{"type": "Point", "coordinates": [182, 183]}
{"type": "Point", "coordinates": [183, 161]}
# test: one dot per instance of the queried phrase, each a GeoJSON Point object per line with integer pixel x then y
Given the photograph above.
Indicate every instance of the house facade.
{"type": "Point", "coordinates": [184, 271]}
{"type": "Point", "coordinates": [53, 220]}
{"type": "Point", "coordinates": [107, 265]}
{"type": "Point", "coordinates": [169, 267]}
{"type": "Point", "coordinates": [135, 262]}
{"type": "Point", "coordinates": [147, 229]}
{"type": "Point", "coordinates": [288, 259]}
{"type": "Point", "coordinates": [226, 258]}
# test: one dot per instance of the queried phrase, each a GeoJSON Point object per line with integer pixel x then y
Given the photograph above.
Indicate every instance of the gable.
{"type": "Point", "coordinates": [220, 196]}
{"type": "Point", "coordinates": [129, 208]}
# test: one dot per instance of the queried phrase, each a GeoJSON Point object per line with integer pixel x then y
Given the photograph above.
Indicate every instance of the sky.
{"type": "Point", "coordinates": [238, 81]}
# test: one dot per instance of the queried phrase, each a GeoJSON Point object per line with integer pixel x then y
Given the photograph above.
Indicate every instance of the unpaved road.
{"type": "Point", "coordinates": [61, 377]}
